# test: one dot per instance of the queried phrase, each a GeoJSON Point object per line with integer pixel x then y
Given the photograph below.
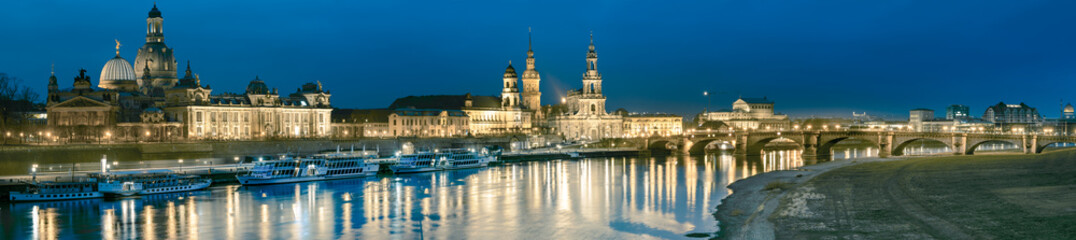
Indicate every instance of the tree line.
{"type": "Point", "coordinates": [15, 98]}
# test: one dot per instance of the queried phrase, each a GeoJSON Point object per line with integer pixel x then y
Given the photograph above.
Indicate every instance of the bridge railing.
{"type": "Point", "coordinates": [726, 132]}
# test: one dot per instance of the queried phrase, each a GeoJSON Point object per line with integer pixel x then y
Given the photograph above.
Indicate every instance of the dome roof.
{"type": "Point", "coordinates": [154, 12]}
{"type": "Point", "coordinates": [117, 69]}
{"type": "Point", "coordinates": [257, 86]}
{"type": "Point", "coordinates": [510, 72]}
{"type": "Point", "coordinates": [162, 63]}
{"type": "Point", "coordinates": [1068, 108]}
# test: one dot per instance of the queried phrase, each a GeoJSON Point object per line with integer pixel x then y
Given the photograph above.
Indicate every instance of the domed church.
{"type": "Point", "coordinates": [146, 101]}
{"type": "Point", "coordinates": [118, 74]}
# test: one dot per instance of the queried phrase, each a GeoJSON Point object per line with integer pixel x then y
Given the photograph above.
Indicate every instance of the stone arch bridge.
{"type": "Point", "coordinates": [820, 143]}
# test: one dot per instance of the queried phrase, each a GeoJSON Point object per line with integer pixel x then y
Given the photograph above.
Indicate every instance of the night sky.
{"type": "Point", "coordinates": [822, 58]}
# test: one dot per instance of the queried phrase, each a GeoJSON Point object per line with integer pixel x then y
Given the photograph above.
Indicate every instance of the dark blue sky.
{"type": "Point", "coordinates": [811, 57]}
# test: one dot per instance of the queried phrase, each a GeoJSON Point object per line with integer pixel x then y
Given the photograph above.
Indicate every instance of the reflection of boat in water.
{"type": "Point", "coordinates": [148, 182]}
{"type": "Point", "coordinates": [75, 188]}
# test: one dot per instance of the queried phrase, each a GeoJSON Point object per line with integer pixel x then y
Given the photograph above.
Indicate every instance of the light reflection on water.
{"type": "Point", "coordinates": [622, 198]}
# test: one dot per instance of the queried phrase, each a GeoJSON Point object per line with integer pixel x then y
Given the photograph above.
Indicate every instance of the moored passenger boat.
{"type": "Point", "coordinates": [341, 165]}
{"type": "Point", "coordinates": [414, 163]}
{"type": "Point", "coordinates": [75, 188]}
{"type": "Point", "coordinates": [442, 159]}
{"type": "Point", "coordinates": [449, 159]}
{"type": "Point", "coordinates": [129, 183]}
{"type": "Point", "coordinates": [287, 169]}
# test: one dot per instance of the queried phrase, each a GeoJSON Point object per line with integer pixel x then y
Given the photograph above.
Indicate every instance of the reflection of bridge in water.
{"type": "Point", "coordinates": [820, 143]}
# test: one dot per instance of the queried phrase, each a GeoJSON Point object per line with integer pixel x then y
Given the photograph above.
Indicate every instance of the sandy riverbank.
{"type": "Point", "coordinates": [745, 213]}
{"type": "Point", "coordinates": [950, 197]}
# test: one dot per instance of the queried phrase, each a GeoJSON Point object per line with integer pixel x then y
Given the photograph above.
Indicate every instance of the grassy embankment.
{"type": "Point", "coordinates": [954, 197]}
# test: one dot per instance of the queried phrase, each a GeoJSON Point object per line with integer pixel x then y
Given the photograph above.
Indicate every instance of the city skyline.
{"type": "Point", "coordinates": [649, 66]}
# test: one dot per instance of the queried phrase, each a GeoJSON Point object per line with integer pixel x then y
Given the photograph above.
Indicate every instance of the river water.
{"type": "Point", "coordinates": [596, 198]}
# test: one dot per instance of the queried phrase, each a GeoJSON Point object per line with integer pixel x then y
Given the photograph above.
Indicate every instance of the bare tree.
{"type": "Point", "coordinates": [28, 95]}
{"type": "Point", "coordinates": [8, 87]}
{"type": "Point", "coordinates": [15, 98]}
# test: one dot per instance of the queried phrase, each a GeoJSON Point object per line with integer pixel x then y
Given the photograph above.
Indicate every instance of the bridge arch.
{"type": "Point", "coordinates": [661, 146]}
{"type": "Point", "coordinates": [699, 146]}
{"type": "Point", "coordinates": [898, 149]}
{"type": "Point", "coordinates": [755, 147]}
{"type": "Point", "coordinates": [972, 146]}
{"type": "Point", "coordinates": [824, 147]}
{"type": "Point", "coordinates": [1053, 143]}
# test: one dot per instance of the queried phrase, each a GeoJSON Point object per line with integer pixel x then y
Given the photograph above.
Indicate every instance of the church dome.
{"type": "Point", "coordinates": [117, 74]}
{"type": "Point", "coordinates": [154, 12]}
{"type": "Point", "coordinates": [117, 69]}
{"type": "Point", "coordinates": [510, 72]}
{"type": "Point", "coordinates": [257, 86]}
{"type": "Point", "coordinates": [161, 61]}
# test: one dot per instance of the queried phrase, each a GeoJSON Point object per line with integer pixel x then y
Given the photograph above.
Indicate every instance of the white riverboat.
{"type": "Point", "coordinates": [415, 163]}
{"type": "Point", "coordinates": [449, 159]}
{"type": "Point", "coordinates": [285, 169]}
{"type": "Point", "coordinates": [146, 182]}
{"type": "Point", "coordinates": [444, 159]}
{"type": "Point", "coordinates": [75, 188]}
{"type": "Point", "coordinates": [341, 165]}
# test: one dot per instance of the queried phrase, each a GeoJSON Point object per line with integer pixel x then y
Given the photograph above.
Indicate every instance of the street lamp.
{"type": "Point", "coordinates": [33, 173]}
{"type": "Point", "coordinates": [181, 165]}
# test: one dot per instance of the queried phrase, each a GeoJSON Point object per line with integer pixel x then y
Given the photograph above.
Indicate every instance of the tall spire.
{"type": "Point", "coordinates": [531, 98]}
{"type": "Point", "coordinates": [52, 81]}
{"type": "Point", "coordinates": [188, 76]}
{"type": "Point", "coordinates": [592, 44]}
{"type": "Point", "coordinates": [592, 55]}
{"type": "Point", "coordinates": [530, 55]}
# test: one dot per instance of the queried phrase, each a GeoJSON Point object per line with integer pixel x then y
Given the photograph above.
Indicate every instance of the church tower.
{"type": "Point", "coordinates": [157, 56]}
{"type": "Point", "coordinates": [532, 95]}
{"type": "Point", "coordinates": [592, 101]}
{"type": "Point", "coordinates": [510, 94]}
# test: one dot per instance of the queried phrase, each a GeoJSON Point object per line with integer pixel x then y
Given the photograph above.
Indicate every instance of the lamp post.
{"type": "Point", "coordinates": [33, 173]}
{"type": "Point", "coordinates": [181, 165]}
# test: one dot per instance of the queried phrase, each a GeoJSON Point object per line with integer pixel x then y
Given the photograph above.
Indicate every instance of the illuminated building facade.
{"type": "Point", "coordinates": [584, 115]}
{"type": "Point", "coordinates": [487, 115]}
{"type": "Point", "coordinates": [646, 125]}
{"type": "Point", "coordinates": [1002, 113]}
{"type": "Point", "coordinates": [428, 123]}
{"type": "Point", "coordinates": [748, 114]}
{"type": "Point", "coordinates": [147, 102]}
